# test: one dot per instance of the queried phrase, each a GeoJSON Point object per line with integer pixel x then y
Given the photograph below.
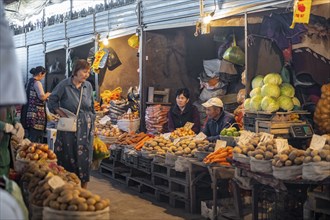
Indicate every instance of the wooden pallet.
{"type": "Point", "coordinates": [275, 128]}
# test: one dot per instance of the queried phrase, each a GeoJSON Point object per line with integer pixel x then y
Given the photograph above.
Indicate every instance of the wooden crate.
{"type": "Point", "coordinates": [273, 127]}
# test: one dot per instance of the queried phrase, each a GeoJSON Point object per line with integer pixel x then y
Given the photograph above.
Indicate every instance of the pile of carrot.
{"type": "Point", "coordinates": [140, 144]}
{"type": "Point", "coordinates": [220, 156]}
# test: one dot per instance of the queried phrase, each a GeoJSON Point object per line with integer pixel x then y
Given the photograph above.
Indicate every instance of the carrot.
{"type": "Point", "coordinates": [218, 160]}
{"type": "Point", "coordinates": [225, 163]}
{"type": "Point", "coordinates": [222, 155]}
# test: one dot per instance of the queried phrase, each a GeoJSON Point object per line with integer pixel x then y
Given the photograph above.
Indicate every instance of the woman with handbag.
{"type": "Point", "coordinates": [74, 146]}
{"type": "Point", "coordinates": [34, 112]}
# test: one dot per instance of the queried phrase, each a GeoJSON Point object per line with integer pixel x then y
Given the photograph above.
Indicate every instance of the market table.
{"type": "Point", "coordinates": [198, 170]}
{"type": "Point", "coordinates": [262, 181]}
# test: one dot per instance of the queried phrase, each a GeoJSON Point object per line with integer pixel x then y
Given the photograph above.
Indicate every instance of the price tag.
{"type": "Point", "coordinates": [245, 137]}
{"type": "Point", "coordinates": [200, 137]}
{"type": "Point", "coordinates": [265, 137]}
{"type": "Point", "coordinates": [104, 120]}
{"type": "Point", "coordinates": [317, 142]}
{"type": "Point", "coordinates": [188, 125]}
{"type": "Point", "coordinates": [220, 144]}
{"type": "Point", "coordinates": [55, 182]}
{"type": "Point", "coordinates": [166, 136]}
{"type": "Point", "coordinates": [281, 145]}
{"type": "Point", "coordinates": [176, 140]}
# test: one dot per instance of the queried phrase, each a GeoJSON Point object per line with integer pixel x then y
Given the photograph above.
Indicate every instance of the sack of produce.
{"type": "Point", "coordinates": [316, 171]}
{"type": "Point", "coordinates": [287, 173]}
{"type": "Point", "coordinates": [74, 203]}
{"type": "Point", "coordinates": [322, 111]}
{"type": "Point", "coordinates": [170, 159]}
{"type": "Point", "coordinates": [261, 166]}
{"type": "Point", "coordinates": [35, 212]}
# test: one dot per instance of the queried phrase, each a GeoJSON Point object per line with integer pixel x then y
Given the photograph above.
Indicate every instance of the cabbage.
{"type": "Point", "coordinates": [285, 103]}
{"type": "Point", "coordinates": [257, 81]}
{"type": "Point", "coordinates": [296, 102]}
{"type": "Point", "coordinates": [255, 91]}
{"type": "Point", "coordinates": [269, 104]}
{"type": "Point", "coordinates": [287, 90]}
{"type": "Point", "coordinates": [273, 78]}
{"type": "Point", "coordinates": [247, 104]}
{"type": "Point", "coordinates": [255, 103]}
{"type": "Point", "coordinates": [270, 90]}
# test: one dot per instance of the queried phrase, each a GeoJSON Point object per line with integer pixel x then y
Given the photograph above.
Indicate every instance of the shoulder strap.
{"type": "Point", "coordinates": [81, 92]}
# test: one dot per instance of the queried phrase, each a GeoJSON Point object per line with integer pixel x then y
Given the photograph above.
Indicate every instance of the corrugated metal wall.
{"type": "Point", "coordinates": [36, 56]}
{"type": "Point", "coordinates": [80, 27]}
{"type": "Point", "coordinates": [54, 32]}
{"type": "Point", "coordinates": [19, 40]}
{"type": "Point", "coordinates": [78, 41]}
{"type": "Point", "coordinates": [21, 54]}
{"type": "Point", "coordinates": [56, 45]}
{"type": "Point", "coordinates": [34, 37]}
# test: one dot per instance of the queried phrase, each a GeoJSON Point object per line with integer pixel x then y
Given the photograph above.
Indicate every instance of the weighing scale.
{"type": "Point", "coordinates": [301, 131]}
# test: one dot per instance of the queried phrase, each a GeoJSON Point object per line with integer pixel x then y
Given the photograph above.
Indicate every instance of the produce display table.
{"type": "Point", "coordinates": [286, 195]}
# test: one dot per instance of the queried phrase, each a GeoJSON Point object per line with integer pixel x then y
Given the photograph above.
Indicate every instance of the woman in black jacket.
{"type": "Point", "coordinates": [183, 112]}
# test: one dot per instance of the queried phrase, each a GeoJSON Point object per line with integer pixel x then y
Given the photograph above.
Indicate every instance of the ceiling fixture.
{"type": "Point", "coordinates": [203, 23]}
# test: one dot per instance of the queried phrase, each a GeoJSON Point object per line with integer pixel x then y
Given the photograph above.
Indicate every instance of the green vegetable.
{"type": "Point", "coordinates": [273, 78]}
{"type": "Point", "coordinates": [257, 81]}
{"type": "Point", "coordinates": [269, 104]}
{"type": "Point", "coordinates": [255, 91]}
{"type": "Point", "coordinates": [223, 132]}
{"type": "Point", "coordinates": [296, 102]}
{"type": "Point", "coordinates": [285, 103]}
{"type": "Point", "coordinates": [255, 103]}
{"type": "Point", "coordinates": [287, 90]}
{"type": "Point", "coordinates": [247, 104]}
{"type": "Point", "coordinates": [271, 90]}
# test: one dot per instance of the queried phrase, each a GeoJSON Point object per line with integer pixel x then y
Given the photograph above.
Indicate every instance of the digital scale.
{"type": "Point", "coordinates": [301, 131]}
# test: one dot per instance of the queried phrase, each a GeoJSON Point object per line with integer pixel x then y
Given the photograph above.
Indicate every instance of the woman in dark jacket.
{"type": "Point", "coordinates": [183, 112]}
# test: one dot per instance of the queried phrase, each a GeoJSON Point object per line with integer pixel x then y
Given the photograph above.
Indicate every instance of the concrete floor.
{"type": "Point", "coordinates": [126, 204]}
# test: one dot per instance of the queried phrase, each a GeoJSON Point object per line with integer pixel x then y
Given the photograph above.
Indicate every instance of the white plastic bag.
{"type": "Point", "coordinates": [211, 67]}
{"type": "Point", "coordinates": [261, 166]}
{"type": "Point", "coordinates": [181, 164]}
{"type": "Point", "coordinates": [287, 172]}
{"type": "Point", "coordinates": [316, 171]}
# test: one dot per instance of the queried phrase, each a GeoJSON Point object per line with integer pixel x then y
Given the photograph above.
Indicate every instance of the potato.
{"type": "Point", "coordinates": [259, 157]}
{"type": "Point", "coordinates": [82, 206]}
{"type": "Point", "coordinates": [99, 206]}
{"type": "Point", "coordinates": [326, 147]}
{"type": "Point", "coordinates": [308, 152]}
{"type": "Point", "coordinates": [268, 155]}
{"type": "Point", "coordinates": [293, 155]}
{"type": "Point", "coordinates": [72, 208]}
{"type": "Point", "coordinates": [288, 163]}
{"type": "Point", "coordinates": [54, 205]}
{"type": "Point", "coordinates": [91, 201]}
{"type": "Point", "coordinates": [85, 193]}
{"type": "Point", "coordinates": [91, 208]}
{"type": "Point", "coordinates": [327, 158]}
{"type": "Point", "coordinates": [307, 159]}
{"type": "Point", "coordinates": [192, 145]}
{"type": "Point", "coordinates": [314, 153]}
{"type": "Point", "coordinates": [298, 161]}
{"type": "Point", "coordinates": [323, 154]}
{"type": "Point", "coordinates": [283, 157]}
{"type": "Point", "coordinates": [97, 198]}
{"type": "Point", "coordinates": [279, 164]}
{"type": "Point", "coordinates": [316, 158]}
{"type": "Point", "coordinates": [237, 150]}
{"type": "Point", "coordinates": [270, 147]}
{"type": "Point", "coordinates": [274, 162]}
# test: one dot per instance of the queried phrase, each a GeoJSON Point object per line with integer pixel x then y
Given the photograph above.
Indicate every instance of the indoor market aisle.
{"type": "Point", "coordinates": [126, 204]}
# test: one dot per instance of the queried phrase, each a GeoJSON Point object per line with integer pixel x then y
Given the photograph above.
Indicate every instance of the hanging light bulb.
{"type": "Point", "coordinates": [105, 41]}
{"type": "Point", "coordinates": [207, 19]}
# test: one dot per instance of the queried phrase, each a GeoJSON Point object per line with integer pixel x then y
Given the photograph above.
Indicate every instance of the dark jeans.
{"type": "Point", "coordinates": [36, 136]}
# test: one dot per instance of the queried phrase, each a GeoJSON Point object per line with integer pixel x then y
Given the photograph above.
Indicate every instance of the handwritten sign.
{"type": "Point", "coordinates": [317, 142]}
{"type": "Point", "coordinates": [245, 137]}
{"type": "Point", "coordinates": [200, 137]}
{"type": "Point", "coordinates": [220, 144]}
{"type": "Point", "coordinates": [189, 125]}
{"type": "Point", "coordinates": [166, 136]}
{"type": "Point", "coordinates": [104, 120]}
{"type": "Point", "coordinates": [265, 137]}
{"type": "Point", "coordinates": [55, 182]}
{"type": "Point", "coordinates": [281, 144]}
{"type": "Point", "coordinates": [176, 140]}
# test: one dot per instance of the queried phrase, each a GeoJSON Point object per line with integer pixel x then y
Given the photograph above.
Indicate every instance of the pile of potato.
{"type": "Point", "coordinates": [289, 157]}
{"type": "Point", "coordinates": [246, 148]}
{"type": "Point", "coordinates": [264, 151]}
{"type": "Point", "coordinates": [182, 132]}
{"type": "Point", "coordinates": [73, 198]}
{"type": "Point", "coordinates": [41, 191]}
{"type": "Point", "coordinates": [107, 130]}
{"type": "Point", "coordinates": [317, 155]}
{"type": "Point", "coordinates": [205, 145]}
{"type": "Point", "coordinates": [159, 145]}
{"type": "Point", "coordinates": [35, 151]}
